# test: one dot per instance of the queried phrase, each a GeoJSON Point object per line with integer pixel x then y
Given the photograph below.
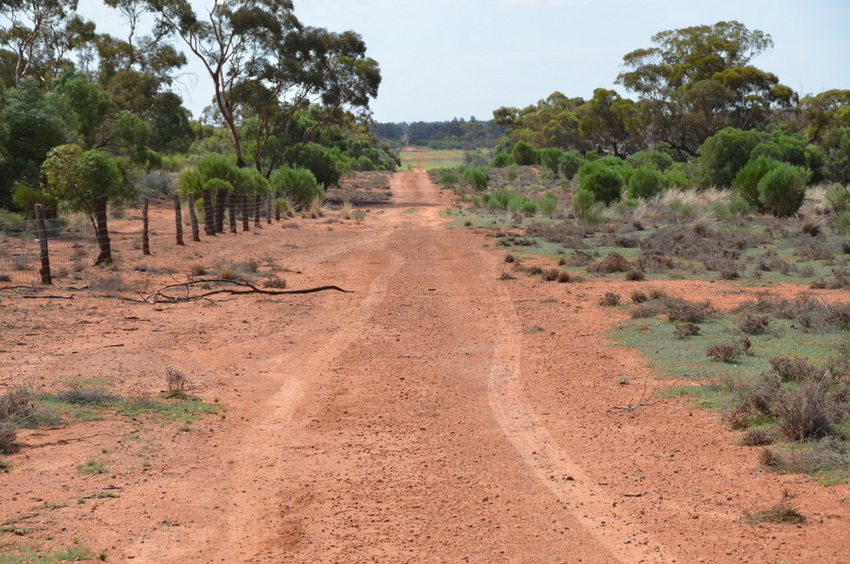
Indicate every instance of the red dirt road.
{"type": "Point", "coordinates": [435, 414]}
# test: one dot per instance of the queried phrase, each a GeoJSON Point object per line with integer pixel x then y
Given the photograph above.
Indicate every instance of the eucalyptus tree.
{"type": "Point", "coordinates": [258, 54]}
{"type": "Point", "coordinates": [695, 81]}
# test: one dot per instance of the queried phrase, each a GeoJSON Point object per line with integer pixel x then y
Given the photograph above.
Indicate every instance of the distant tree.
{"type": "Point", "coordinates": [524, 154]}
{"type": "Point", "coordinates": [75, 178]}
{"type": "Point", "coordinates": [608, 121]}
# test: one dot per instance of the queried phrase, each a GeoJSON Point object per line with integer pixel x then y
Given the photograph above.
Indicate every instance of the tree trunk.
{"type": "Point", "coordinates": [244, 198]}
{"type": "Point", "coordinates": [102, 232]}
{"type": "Point", "coordinates": [232, 205]}
{"type": "Point", "coordinates": [220, 199]}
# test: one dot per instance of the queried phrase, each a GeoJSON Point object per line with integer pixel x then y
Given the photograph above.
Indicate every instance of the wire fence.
{"type": "Point", "coordinates": [73, 246]}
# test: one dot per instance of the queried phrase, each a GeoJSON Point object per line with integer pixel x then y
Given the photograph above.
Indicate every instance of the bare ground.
{"type": "Point", "coordinates": [435, 414]}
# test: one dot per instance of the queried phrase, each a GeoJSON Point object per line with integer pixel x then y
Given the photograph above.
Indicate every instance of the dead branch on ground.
{"type": "Point", "coordinates": [160, 296]}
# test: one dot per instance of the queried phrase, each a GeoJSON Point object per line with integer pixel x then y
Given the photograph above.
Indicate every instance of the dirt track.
{"type": "Point", "coordinates": [435, 414]}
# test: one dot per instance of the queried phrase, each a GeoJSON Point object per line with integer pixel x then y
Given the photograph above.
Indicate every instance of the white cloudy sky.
{"type": "Point", "coordinates": [442, 59]}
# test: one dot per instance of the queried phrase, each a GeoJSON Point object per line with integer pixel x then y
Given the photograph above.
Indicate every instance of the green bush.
{"type": "Point", "coordinates": [658, 160]}
{"type": "Point", "coordinates": [524, 154]}
{"type": "Point", "coordinates": [529, 208]}
{"type": "Point", "coordinates": [726, 152]}
{"type": "Point", "coordinates": [548, 204]}
{"type": "Point", "coordinates": [841, 224]}
{"type": "Point", "coordinates": [477, 178]}
{"type": "Point", "coordinates": [604, 183]}
{"type": "Point", "coordinates": [783, 189]}
{"type": "Point", "coordinates": [448, 177]}
{"type": "Point", "coordinates": [550, 157]}
{"type": "Point", "coordinates": [582, 200]}
{"type": "Point", "coordinates": [501, 160]}
{"type": "Point", "coordinates": [747, 180]}
{"type": "Point", "coordinates": [645, 183]}
{"type": "Point", "coordinates": [595, 214]}
{"type": "Point", "coordinates": [571, 161]}
{"type": "Point", "coordinates": [516, 202]}
{"type": "Point", "coordinates": [512, 172]}
{"type": "Point", "coordinates": [838, 197]}
{"type": "Point", "coordinates": [298, 185]}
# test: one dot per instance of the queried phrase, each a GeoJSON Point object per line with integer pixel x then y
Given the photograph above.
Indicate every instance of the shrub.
{"type": "Point", "coordinates": [529, 208]}
{"type": "Point", "coordinates": [604, 183]}
{"type": "Point", "coordinates": [753, 323]}
{"type": "Point", "coordinates": [684, 330]}
{"type": "Point", "coordinates": [805, 413]}
{"type": "Point", "coordinates": [176, 382]}
{"type": "Point", "coordinates": [548, 204]}
{"type": "Point", "coordinates": [298, 185]}
{"type": "Point", "coordinates": [477, 178]}
{"type": "Point", "coordinates": [634, 275]}
{"type": "Point", "coordinates": [582, 201]}
{"type": "Point", "coordinates": [838, 197]}
{"type": "Point", "coordinates": [609, 299]}
{"type": "Point", "coordinates": [746, 182]}
{"type": "Point", "coordinates": [448, 177]}
{"type": "Point", "coordinates": [683, 310]}
{"type": "Point", "coordinates": [613, 262]}
{"type": "Point", "coordinates": [783, 189]}
{"type": "Point", "coordinates": [550, 157]}
{"type": "Point", "coordinates": [571, 161]}
{"type": "Point", "coordinates": [501, 160]}
{"type": "Point", "coordinates": [645, 183]}
{"type": "Point", "coordinates": [524, 154]}
{"type": "Point", "coordinates": [725, 352]}
{"type": "Point", "coordinates": [790, 369]}
{"type": "Point", "coordinates": [8, 436]}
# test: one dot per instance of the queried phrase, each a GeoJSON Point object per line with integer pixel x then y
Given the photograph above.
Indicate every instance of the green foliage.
{"type": "Point", "coordinates": [838, 197]}
{"type": "Point", "coordinates": [726, 152]}
{"type": "Point", "coordinates": [548, 204]}
{"type": "Point", "coordinates": [524, 154]}
{"type": "Point", "coordinates": [298, 185]}
{"type": "Point", "coordinates": [645, 183]}
{"type": "Point", "coordinates": [658, 160]}
{"type": "Point", "coordinates": [321, 161]}
{"type": "Point", "coordinates": [477, 178]}
{"type": "Point", "coordinates": [529, 208]}
{"type": "Point", "coordinates": [448, 177]}
{"type": "Point", "coordinates": [582, 200]}
{"type": "Point", "coordinates": [841, 223]}
{"type": "Point", "coordinates": [783, 189]}
{"type": "Point", "coordinates": [594, 214]}
{"type": "Point", "coordinates": [604, 182]}
{"type": "Point", "coordinates": [501, 160]}
{"type": "Point", "coordinates": [512, 172]}
{"type": "Point", "coordinates": [793, 149]}
{"type": "Point", "coordinates": [551, 157]}
{"type": "Point", "coordinates": [747, 180]}
{"type": "Point", "coordinates": [75, 178]}
{"type": "Point", "coordinates": [571, 161]}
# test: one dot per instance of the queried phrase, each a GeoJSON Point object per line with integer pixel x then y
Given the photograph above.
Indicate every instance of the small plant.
{"type": "Point", "coordinates": [347, 209]}
{"type": "Point", "coordinates": [684, 330]}
{"type": "Point", "coordinates": [639, 297]}
{"type": "Point", "coordinates": [563, 276]}
{"type": "Point", "coordinates": [753, 323]}
{"type": "Point", "coordinates": [729, 351]}
{"type": "Point", "coordinates": [782, 512]}
{"type": "Point", "coordinates": [622, 381]}
{"type": "Point", "coordinates": [110, 283]}
{"type": "Point", "coordinates": [635, 275]}
{"type": "Point", "coordinates": [507, 276]}
{"type": "Point", "coordinates": [92, 467]}
{"type": "Point", "coordinates": [274, 282]}
{"type": "Point", "coordinates": [176, 382]}
{"type": "Point", "coordinates": [610, 299]}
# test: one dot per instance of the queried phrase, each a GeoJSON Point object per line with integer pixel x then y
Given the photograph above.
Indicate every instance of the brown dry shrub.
{"type": "Point", "coordinates": [753, 323]}
{"type": "Point", "coordinates": [551, 274]}
{"type": "Point", "coordinates": [795, 369]}
{"type": "Point", "coordinates": [563, 276]}
{"type": "Point", "coordinates": [578, 258]}
{"type": "Point", "coordinates": [684, 330]}
{"type": "Point", "coordinates": [657, 294]}
{"type": "Point", "coordinates": [769, 458]}
{"type": "Point", "coordinates": [678, 309]}
{"type": "Point", "coordinates": [730, 274]}
{"type": "Point", "coordinates": [639, 297]}
{"type": "Point", "coordinates": [634, 275]}
{"type": "Point", "coordinates": [650, 308]}
{"type": "Point", "coordinates": [274, 282]}
{"type": "Point", "coordinates": [806, 413]}
{"type": "Point", "coordinates": [510, 258]}
{"type": "Point", "coordinates": [760, 436]}
{"type": "Point", "coordinates": [652, 260]}
{"type": "Point", "coordinates": [782, 512]}
{"type": "Point", "coordinates": [15, 404]}
{"type": "Point", "coordinates": [610, 299]}
{"type": "Point", "coordinates": [614, 262]}
{"type": "Point", "coordinates": [535, 270]}
{"type": "Point", "coordinates": [729, 351]}
{"type": "Point", "coordinates": [815, 251]}
{"type": "Point", "coordinates": [8, 436]}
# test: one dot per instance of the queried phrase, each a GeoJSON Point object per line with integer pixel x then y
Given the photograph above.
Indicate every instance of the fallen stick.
{"type": "Point", "coordinates": [160, 297]}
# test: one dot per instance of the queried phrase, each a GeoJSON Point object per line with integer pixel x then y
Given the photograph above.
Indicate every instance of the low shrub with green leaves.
{"type": "Point", "coordinates": [298, 185]}
{"type": "Point", "coordinates": [477, 178]}
{"type": "Point", "coordinates": [605, 183]}
{"type": "Point", "coordinates": [783, 189]}
{"type": "Point", "coordinates": [645, 182]}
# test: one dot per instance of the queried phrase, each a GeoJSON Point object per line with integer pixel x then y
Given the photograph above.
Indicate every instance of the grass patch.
{"type": "Point", "coordinates": [416, 157]}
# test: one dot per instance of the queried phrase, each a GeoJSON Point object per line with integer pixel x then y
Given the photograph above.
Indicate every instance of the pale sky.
{"type": "Point", "coordinates": [442, 59]}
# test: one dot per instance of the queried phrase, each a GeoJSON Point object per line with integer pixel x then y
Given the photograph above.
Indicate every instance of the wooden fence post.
{"type": "Point", "coordinates": [220, 200]}
{"type": "Point", "coordinates": [244, 202]}
{"type": "Point", "coordinates": [269, 207]}
{"type": "Point", "coordinates": [277, 208]}
{"type": "Point", "coordinates": [209, 214]}
{"type": "Point", "coordinates": [258, 200]}
{"type": "Point", "coordinates": [193, 218]}
{"type": "Point", "coordinates": [178, 219]}
{"type": "Point", "coordinates": [146, 244]}
{"type": "Point", "coordinates": [42, 244]}
{"type": "Point", "coordinates": [232, 205]}
{"type": "Point", "coordinates": [102, 233]}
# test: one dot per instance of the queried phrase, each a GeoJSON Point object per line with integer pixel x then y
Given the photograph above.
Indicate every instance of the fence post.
{"type": "Point", "coordinates": [102, 232]}
{"type": "Point", "coordinates": [178, 219]}
{"type": "Point", "coordinates": [193, 218]}
{"type": "Point", "coordinates": [209, 215]}
{"type": "Point", "coordinates": [244, 212]}
{"type": "Point", "coordinates": [220, 199]}
{"type": "Point", "coordinates": [232, 205]}
{"type": "Point", "coordinates": [277, 207]}
{"type": "Point", "coordinates": [258, 200]}
{"type": "Point", "coordinates": [42, 244]}
{"type": "Point", "coordinates": [146, 244]}
{"type": "Point", "coordinates": [269, 207]}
